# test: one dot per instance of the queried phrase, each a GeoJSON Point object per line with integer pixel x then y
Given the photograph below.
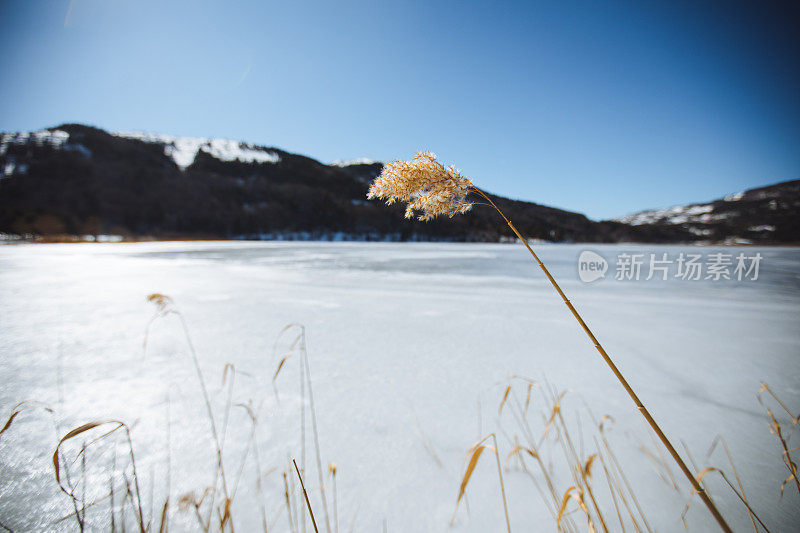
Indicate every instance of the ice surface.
{"type": "Point", "coordinates": [404, 340]}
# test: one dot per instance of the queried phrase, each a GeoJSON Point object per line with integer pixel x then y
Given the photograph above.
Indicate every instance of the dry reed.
{"type": "Point", "coordinates": [565, 503]}
{"type": "Point", "coordinates": [212, 507]}
{"type": "Point", "coordinates": [780, 432]}
{"type": "Point", "coordinates": [305, 495]}
{"type": "Point", "coordinates": [474, 454]}
{"type": "Point", "coordinates": [427, 186]}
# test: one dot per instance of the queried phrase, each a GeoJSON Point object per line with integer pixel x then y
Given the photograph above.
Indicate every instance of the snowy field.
{"type": "Point", "coordinates": [410, 348]}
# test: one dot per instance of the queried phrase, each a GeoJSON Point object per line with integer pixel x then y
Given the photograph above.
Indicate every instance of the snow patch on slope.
{"type": "Point", "coordinates": [349, 162]}
{"type": "Point", "coordinates": [734, 197]}
{"type": "Point", "coordinates": [674, 215]}
{"type": "Point", "coordinates": [54, 138]}
{"type": "Point", "coordinates": [183, 150]}
{"type": "Point", "coordinates": [12, 167]}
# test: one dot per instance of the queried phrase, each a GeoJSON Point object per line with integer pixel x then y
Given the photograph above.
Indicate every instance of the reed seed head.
{"type": "Point", "coordinates": [425, 184]}
{"type": "Point", "coordinates": [162, 302]}
{"type": "Point", "coordinates": [186, 502]}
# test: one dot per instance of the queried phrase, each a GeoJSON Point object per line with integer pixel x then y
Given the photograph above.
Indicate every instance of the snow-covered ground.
{"type": "Point", "coordinates": [410, 348]}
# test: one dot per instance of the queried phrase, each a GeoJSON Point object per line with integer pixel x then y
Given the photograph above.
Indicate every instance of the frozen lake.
{"type": "Point", "coordinates": [410, 347]}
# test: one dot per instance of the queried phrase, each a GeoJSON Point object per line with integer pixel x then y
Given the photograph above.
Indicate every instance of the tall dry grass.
{"type": "Point", "coordinates": [123, 503]}
{"type": "Point", "coordinates": [577, 475]}
{"type": "Point", "coordinates": [430, 188]}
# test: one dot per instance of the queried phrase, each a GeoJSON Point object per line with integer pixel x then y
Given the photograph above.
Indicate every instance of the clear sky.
{"type": "Point", "coordinates": [599, 107]}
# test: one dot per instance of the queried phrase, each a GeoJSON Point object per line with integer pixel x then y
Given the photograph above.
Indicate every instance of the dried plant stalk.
{"type": "Point", "coordinates": [305, 495]}
{"type": "Point", "coordinates": [434, 190]}
{"type": "Point", "coordinates": [475, 453]}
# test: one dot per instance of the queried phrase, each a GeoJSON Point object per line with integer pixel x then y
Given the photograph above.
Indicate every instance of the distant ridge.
{"type": "Point", "coordinates": [79, 180]}
{"type": "Point", "coordinates": [763, 214]}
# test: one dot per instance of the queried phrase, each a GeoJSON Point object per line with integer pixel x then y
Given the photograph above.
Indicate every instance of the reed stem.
{"type": "Point", "coordinates": [305, 495]}
{"type": "Point", "coordinates": [502, 485]}
{"type": "Point", "coordinates": [639, 405]}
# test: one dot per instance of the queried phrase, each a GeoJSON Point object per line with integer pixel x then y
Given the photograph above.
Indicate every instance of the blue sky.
{"type": "Point", "coordinates": [599, 107]}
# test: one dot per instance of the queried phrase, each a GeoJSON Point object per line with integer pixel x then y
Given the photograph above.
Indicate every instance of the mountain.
{"type": "Point", "coordinates": [762, 215]}
{"type": "Point", "coordinates": [79, 180]}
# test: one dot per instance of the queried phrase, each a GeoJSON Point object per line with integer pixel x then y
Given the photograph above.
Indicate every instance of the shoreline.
{"type": "Point", "coordinates": [119, 239]}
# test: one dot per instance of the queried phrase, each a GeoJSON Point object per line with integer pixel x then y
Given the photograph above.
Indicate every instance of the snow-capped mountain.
{"type": "Point", "coordinates": [76, 180]}
{"type": "Point", "coordinates": [182, 150]}
{"type": "Point", "coordinates": [765, 214]}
